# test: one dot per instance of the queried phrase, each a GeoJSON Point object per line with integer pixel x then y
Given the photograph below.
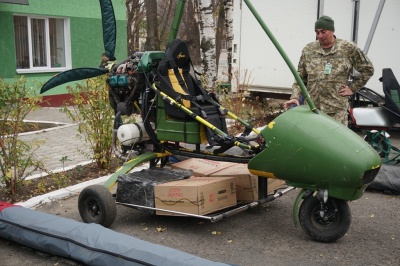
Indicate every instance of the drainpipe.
{"type": "Point", "coordinates": [373, 27]}
{"type": "Point", "coordinates": [320, 8]}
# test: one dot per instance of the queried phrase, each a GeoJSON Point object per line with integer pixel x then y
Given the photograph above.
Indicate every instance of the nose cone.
{"type": "Point", "coordinates": [314, 151]}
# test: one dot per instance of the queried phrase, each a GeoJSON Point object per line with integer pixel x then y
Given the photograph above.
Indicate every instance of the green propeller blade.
{"type": "Point", "coordinates": [72, 75]}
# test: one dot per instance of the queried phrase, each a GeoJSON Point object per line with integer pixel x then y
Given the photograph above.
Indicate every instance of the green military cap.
{"type": "Point", "coordinates": [325, 23]}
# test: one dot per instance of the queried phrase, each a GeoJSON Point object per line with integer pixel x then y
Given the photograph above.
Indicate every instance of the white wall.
{"type": "Point", "coordinates": [292, 23]}
{"type": "Point", "coordinates": [384, 51]}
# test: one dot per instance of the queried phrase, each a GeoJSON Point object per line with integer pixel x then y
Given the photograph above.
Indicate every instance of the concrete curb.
{"type": "Point", "coordinates": [61, 193]}
{"type": "Point", "coordinates": [59, 170]}
{"type": "Point", "coordinates": [68, 191]}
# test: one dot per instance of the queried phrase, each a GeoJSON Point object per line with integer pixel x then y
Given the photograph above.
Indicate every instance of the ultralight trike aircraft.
{"type": "Point", "coordinates": [304, 147]}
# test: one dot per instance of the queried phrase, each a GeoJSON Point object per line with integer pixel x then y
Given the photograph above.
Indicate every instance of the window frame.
{"type": "Point", "coordinates": [67, 45]}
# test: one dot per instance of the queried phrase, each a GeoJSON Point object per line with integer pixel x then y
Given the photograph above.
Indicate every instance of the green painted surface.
{"type": "Point", "coordinates": [147, 59]}
{"type": "Point", "coordinates": [7, 52]}
{"type": "Point", "coordinates": [180, 7]}
{"type": "Point", "coordinates": [176, 130]}
{"type": "Point", "coordinates": [85, 29]}
{"type": "Point", "coordinates": [313, 151]}
{"type": "Point", "coordinates": [87, 42]}
{"type": "Point", "coordinates": [70, 8]}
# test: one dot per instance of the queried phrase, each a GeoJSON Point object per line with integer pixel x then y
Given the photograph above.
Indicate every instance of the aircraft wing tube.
{"type": "Point", "coordinates": [91, 244]}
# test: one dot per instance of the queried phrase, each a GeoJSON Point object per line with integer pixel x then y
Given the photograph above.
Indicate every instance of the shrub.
{"type": "Point", "coordinates": [89, 107]}
{"type": "Point", "coordinates": [17, 156]}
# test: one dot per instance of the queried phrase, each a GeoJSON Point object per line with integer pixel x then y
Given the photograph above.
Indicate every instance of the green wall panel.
{"type": "Point", "coordinates": [85, 28]}
{"type": "Point", "coordinates": [87, 42]}
{"type": "Point", "coordinates": [7, 51]}
{"type": "Point", "coordinates": [68, 8]}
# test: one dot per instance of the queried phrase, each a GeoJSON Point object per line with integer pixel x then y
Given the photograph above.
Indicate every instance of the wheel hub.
{"type": "Point", "coordinates": [93, 208]}
{"type": "Point", "coordinates": [324, 216]}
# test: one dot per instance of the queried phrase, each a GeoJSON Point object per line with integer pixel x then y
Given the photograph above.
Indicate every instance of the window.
{"type": "Point", "coordinates": [41, 44]}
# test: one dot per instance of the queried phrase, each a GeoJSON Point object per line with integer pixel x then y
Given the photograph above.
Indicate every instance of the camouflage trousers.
{"type": "Point", "coordinates": [340, 116]}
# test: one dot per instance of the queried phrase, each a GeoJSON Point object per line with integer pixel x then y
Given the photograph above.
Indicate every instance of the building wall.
{"type": "Point", "coordinates": [85, 29]}
{"type": "Point", "coordinates": [7, 52]}
{"type": "Point", "coordinates": [293, 28]}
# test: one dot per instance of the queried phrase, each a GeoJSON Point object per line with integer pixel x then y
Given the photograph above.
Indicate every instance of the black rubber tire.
{"type": "Point", "coordinates": [97, 205]}
{"type": "Point", "coordinates": [336, 224]}
{"type": "Point", "coordinates": [379, 144]}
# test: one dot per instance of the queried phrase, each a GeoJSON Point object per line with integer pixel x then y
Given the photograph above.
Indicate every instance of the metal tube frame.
{"type": "Point", "coordinates": [220, 216]}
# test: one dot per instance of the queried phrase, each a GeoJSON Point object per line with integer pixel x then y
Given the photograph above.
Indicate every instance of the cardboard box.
{"type": "Point", "coordinates": [274, 184]}
{"type": "Point", "coordinates": [196, 195]}
{"type": "Point", "coordinates": [201, 167]}
{"type": "Point", "coordinates": [138, 187]}
{"type": "Point", "coordinates": [246, 183]}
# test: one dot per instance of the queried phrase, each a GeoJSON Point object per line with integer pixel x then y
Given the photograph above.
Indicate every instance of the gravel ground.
{"type": "Point", "coordinates": [261, 236]}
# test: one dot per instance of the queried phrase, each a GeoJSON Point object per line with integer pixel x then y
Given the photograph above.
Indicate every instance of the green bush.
{"type": "Point", "coordinates": [17, 156]}
{"type": "Point", "coordinates": [90, 108]}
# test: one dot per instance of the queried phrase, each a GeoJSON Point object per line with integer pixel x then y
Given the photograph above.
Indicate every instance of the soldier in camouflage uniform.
{"type": "Point", "coordinates": [325, 66]}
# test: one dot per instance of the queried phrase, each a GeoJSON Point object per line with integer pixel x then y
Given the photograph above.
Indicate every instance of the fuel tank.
{"type": "Point", "coordinates": [314, 151]}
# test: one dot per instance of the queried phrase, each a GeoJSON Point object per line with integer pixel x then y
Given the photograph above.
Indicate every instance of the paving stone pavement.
{"type": "Point", "coordinates": [58, 142]}
{"type": "Point", "coordinates": [62, 141]}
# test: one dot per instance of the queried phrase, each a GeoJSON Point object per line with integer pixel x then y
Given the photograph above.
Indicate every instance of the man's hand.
{"type": "Point", "coordinates": [290, 102]}
{"type": "Point", "coordinates": [345, 91]}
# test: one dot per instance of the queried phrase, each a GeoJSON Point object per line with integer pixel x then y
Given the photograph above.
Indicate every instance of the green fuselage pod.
{"type": "Point", "coordinates": [313, 151]}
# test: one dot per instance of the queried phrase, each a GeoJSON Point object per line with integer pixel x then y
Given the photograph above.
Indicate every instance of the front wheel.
{"type": "Point", "coordinates": [97, 205]}
{"type": "Point", "coordinates": [324, 222]}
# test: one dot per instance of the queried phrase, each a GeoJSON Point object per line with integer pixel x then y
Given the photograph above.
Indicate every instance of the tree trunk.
{"type": "Point", "coordinates": [228, 6]}
{"type": "Point", "coordinates": [152, 39]}
{"type": "Point", "coordinates": [189, 30]}
{"type": "Point", "coordinates": [134, 10]}
{"type": "Point", "coordinates": [129, 25]}
{"type": "Point", "coordinates": [220, 31]}
{"type": "Point", "coordinates": [207, 34]}
{"type": "Point", "coordinates": [166, 8]}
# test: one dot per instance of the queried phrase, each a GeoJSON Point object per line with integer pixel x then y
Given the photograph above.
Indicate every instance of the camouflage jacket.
{"type": "Point", "coordinates": [323, 87]}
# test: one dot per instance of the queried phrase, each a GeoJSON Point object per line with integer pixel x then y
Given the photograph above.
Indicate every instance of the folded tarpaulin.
{"type": "Point", "coordinates": [91, 244]}
{"type": "Point", "coordinates": [387, 179]}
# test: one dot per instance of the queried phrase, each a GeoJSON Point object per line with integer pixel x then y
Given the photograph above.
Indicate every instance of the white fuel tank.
{"type": "Point", "coordinates": [132, 133]}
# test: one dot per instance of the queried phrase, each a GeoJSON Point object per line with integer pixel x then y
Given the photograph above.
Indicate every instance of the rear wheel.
{"type": "Point", "coordinates": [97, 205]}
{"type": "Point", "coordinates": [324, 222]}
